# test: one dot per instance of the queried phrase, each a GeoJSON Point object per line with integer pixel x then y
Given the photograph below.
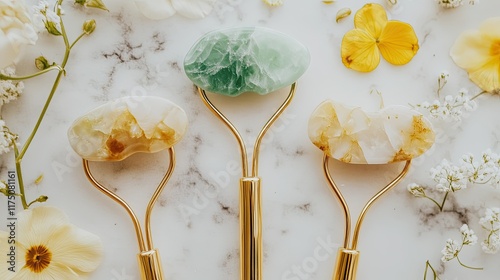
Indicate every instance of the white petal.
{"type": "Point", "coordinates": [37, 225]}
{"type": "Point", "coordinates": [194, 8]}
{"type": "Point", "coordinates": [7, 51]}
{"type": "Point", "coordinates": [51, 273]}
{"type": "Point", "coordinates": [4, 250]}
{"type": "Point", "coordinates": [155, 9]}
{"type": "Point", "coordinates": [75, 249]}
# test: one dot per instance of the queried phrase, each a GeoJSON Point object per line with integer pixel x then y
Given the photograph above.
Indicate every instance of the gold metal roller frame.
{"type": "Point", "coordinates": [251, 251]}
{"type": "Point", "coordinates": [348, 256]}
{"type": "Point", "coordinates": [149, 258]}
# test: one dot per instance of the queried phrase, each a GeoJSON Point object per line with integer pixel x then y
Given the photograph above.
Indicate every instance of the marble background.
{"type": "Point", "coordinates": [195, 223]}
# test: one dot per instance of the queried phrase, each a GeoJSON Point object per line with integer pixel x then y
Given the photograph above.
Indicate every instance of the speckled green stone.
{"type": "Point", "coordinates": [250, 59]}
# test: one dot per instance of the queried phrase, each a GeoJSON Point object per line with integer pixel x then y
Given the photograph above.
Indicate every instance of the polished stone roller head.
{"type": "Point", "coordinates": [352, 135]}
{"type": "Point", "coordinates": [249, 59]}
{"type": "Point", "coordinates": [126, 126]}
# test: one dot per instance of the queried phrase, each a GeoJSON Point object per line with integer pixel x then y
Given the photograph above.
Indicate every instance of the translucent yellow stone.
{"type": "Point", "coordinates": [352, 135]}
{"type": "Point", "coordinates": [126, 126]}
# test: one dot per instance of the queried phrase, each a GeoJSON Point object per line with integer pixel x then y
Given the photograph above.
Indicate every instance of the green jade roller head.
{"type": "Point", "coordinates": [245, 59]}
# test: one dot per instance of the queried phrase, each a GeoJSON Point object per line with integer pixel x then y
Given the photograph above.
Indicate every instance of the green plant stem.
{"type": "Point", "coordinates": [20, 180]}
{"type": "Point", "coordinates": [439, 205]}
{"type": "Point", "coordinates": [466, 266]}
{"type": "Point", "coordinates": [427, 266]}
{"type": "Point", "coordinates": [53, 67]}
{"type": "Point", "coordinates": [479, 94]}
{"type": "Point", "coordinates": [77, 39]}
{"type": "Point", "coordinates": [20, 155]}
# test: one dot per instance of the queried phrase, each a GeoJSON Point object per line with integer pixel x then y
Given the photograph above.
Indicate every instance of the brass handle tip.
{"type": "Point", "coordinates": [347, 264]}
{"type": "Point", "coordinates": [150, 265]}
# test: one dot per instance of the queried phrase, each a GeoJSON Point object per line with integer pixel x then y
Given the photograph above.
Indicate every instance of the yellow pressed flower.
{"type": "Point", "coordinates": [47, 247]}
{"type": "Point", "coordinates": [373, 35]}
{"type": "Point", "coordinates": [478, 52]}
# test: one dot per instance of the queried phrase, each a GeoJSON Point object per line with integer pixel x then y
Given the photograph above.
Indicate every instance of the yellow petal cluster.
{"type": "Point", "coordinates": [374, 35]}
{"type": "Point", "coordinates": [478, 52]}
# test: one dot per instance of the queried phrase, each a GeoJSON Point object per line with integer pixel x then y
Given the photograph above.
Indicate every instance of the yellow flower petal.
{"type": "Point", "coordinates": [359, 51]}
{"type": "Point", "coordinates": [398, 42]}
{"type": "Point", "coordinates": [478, 52]}
{"type": "Point", "coordinates": [487, 77]}
{"type": "Point", "coordinates": [372, 18]}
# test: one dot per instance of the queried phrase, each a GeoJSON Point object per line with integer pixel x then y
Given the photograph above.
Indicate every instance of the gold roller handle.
{"type": "Point", "coordinates": [348, 257]}
{"type": "Point", "coordinates": [250, 193]}
{"type": "Point", "coordinates": [150, 265]}
{"type": "Point", "coordinates": [251, 228]}
{"type": "Point", "coordinates": [149, 259]}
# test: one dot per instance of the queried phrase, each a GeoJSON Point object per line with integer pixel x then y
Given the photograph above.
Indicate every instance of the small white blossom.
{"type": "Point", "coordinates": [450, 3]}
{"type": "Point", "coordinates": [451, 250]}
{"type": "Point", "coordinates": [483, 171]}
{"type": "Point", "coordinates": [491, 219]}
{"type": "Point", "coordinates": [45, 18]}
{"type": "Point", "coordinates": [491, 245]}
{"type": "Point", "coordinates": [7, 138]}
{"type": "Point", "coordinates": [491, 223]}
{"type": "Point", "coordinates": [468, 235]}
{"type": "Point", "coordinates": [448, 177]}
{"type": "Point", "coordinates": [443, 77]}
{"type": "Point", "coordinates": [9, 90]}
{"type": "Point", "coordinates": [416, 190]}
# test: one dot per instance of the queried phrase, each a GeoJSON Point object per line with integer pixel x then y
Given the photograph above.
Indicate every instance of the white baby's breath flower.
{"type": "Point", "coordinates": [491, 244]}
{"type": "Point", "coordinates": [468, 235]}
{"type": "Point", "coordinates": [44, 17]}
{"type": "Point", "coordinates": [443, 76]}
{"type": "Point", "coordinates": [491, 219]}
{"type": "Point", "coordinates": [491, 223]}
{"type": "Point", "coordinates": [7, 138]}
{"type": "Point", "coordinates": [451, 250]}
{"type": "Point", "coordinates": [16, 31]}
{"type": "Point", "coordinates": [161, 9]}
{"type": "Point", "coordinates": [450, 3]}
{"type": "Point", "coordinates": [448, 177]}
{"type": "Point", "coordinates": [416, 190]}
{"type": "Point", "coordinates": [9, 90]}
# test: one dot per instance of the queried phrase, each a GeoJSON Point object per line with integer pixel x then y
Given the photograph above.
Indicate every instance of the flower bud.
{"type": "Point", "coordinates": [92, 4]}
{"type": "Point", "coordinates": [52, 28]}
{"type": "Point", "coordinates": [89, 26]}
{"type": "Point", "coordinates": [42, 198]}
{"type": "Point", "coordinates": [41, 63]}
{"type": "Point", "coordinates": [343, 13]}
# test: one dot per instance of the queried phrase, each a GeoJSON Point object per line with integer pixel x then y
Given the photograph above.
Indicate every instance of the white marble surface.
{"type": "Point", "coordinates": [195, 223]}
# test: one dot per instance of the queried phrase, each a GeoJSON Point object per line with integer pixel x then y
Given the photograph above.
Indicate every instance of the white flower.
{"type": "Point", "coordinates": [468, 235]}
{"type": "Point", "coordinates": [48, 247]}
{"type": "Point", "coordinates": [9, 90]}
{"type": "Point", "coordinates": [16, 31]}
{"type": "Point", "coordinates": [416, 190]}
{"type": "Point", "coordinates": [161, 9]}
{"type": "Point", "coordinates": [444, 75]}
{"type": "Point", "coordinates": [449, 3]}
{"type": "Point", "coordinates": [7, 138]}
{"type": "Point", "coordinates": [44, 17]}
{"type": "Point", "coordinates": [491, 219]}
{"type": "Point", "coordinates": [448, 177]}
{"type": "Point", "coordinates": [450, 251]}
{"type": "Point", "coordinates": [491, 223]}
{"type": "Point", "coordinates": [491, 244]}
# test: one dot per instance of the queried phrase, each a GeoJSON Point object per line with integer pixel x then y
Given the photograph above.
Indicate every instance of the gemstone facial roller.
{"type": "Point", "coordinates": [118, 129]}
{"type": "Point", "coordinates": [353, 136]}
{"type": "Point", "coordinates": [237, 60]}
